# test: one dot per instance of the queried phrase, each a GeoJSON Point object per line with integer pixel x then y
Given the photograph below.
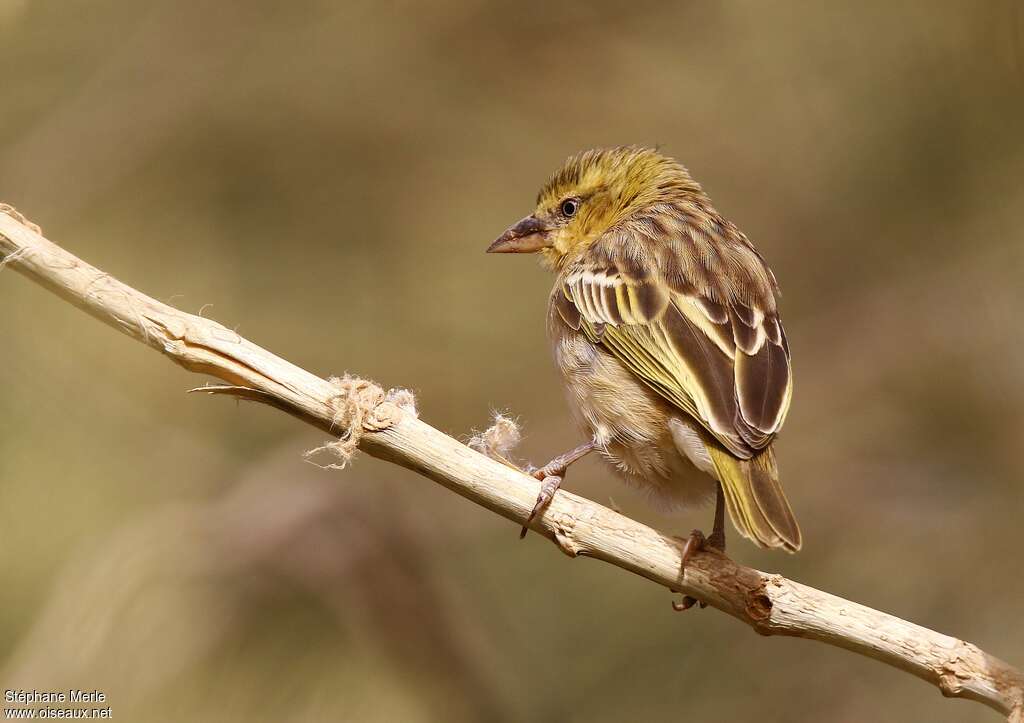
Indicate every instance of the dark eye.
{"type": "Point", "coordinates": [569, 207]}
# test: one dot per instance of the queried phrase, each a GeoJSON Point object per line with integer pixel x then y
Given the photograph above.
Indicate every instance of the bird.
{"type": "Point", "coordinates": [664, 324]}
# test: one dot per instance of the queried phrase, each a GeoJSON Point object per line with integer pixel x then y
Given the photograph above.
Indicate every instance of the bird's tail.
{"type": "Point", "coordinates": [755, 500]}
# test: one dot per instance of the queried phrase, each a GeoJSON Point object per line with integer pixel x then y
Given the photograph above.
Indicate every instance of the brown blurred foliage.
{"type": "Point", "coordinates": [325, 176]}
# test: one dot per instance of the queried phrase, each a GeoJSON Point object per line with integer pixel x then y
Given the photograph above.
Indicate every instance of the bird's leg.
{"type": "Point", "coordinates": [551, 475]}
{"type": "Point", "coordinates": [717, 539]}
{"type": "Point", "coordinates": [696, 542]}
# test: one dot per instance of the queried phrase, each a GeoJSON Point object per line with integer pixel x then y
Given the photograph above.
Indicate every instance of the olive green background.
{"type": "Point", "coordinates": [324, 177]}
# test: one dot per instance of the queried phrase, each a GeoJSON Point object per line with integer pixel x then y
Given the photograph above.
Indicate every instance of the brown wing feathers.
{"type": "Point", "coordinates": [733, 348]}
{"type": "Point", "coordinates": [713, 373]}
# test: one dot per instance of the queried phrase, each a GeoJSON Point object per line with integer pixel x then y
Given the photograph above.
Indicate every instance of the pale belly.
{"type": "Point", "coordinates": [652, 445]}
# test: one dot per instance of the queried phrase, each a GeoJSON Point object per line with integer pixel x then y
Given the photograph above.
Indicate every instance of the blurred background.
{"type": "Point", "coordinates": [324, 177]}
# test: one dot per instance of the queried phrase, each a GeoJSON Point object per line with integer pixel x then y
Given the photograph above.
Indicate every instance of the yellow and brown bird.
{"type": "Point", "coordinates": [665, 328]}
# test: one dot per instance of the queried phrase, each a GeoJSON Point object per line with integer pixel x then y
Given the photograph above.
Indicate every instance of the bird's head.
{"type": "Point", "coordinates": [591, 193]}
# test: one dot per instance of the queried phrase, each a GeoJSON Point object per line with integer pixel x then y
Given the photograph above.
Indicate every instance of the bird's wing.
{"type": "Point", "coordinates": [670, 320]}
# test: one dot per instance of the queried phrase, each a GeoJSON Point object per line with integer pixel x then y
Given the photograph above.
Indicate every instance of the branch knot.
{"type": "Point", "coordinates": [362, 406]}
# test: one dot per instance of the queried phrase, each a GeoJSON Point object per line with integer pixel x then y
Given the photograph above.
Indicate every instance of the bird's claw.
{"type": "Point", "coordinates": [550, 484]}
{"type": "Point", "coordinates": [696, 542]}
{"type": "Point", "coordinates": [551, 469]}
{"type": "Point", "coordinates": [686, 603]}
{"type": "Point", "coordinates": [551, 476]}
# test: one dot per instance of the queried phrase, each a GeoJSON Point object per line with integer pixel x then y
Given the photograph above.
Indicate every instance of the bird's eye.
{"type": "Point", "coordinates": [569, 207]}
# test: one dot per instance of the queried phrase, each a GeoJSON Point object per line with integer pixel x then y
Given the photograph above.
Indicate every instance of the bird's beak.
{"type": "Point", "coordinates": [526, 237]}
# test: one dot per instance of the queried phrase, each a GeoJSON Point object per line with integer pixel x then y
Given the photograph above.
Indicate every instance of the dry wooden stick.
{"type": "Point", "coordinates": [384, 428]}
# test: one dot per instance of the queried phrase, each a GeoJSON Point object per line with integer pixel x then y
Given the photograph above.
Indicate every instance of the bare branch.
{"type": "Point", "coordinates": [770, 604]}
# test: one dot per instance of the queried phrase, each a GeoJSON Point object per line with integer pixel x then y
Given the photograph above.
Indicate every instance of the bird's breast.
{"type": "Point", "coordinates": [608, 399]}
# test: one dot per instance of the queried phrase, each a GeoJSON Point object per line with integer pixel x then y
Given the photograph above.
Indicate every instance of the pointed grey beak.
{"type": "Point", "coordinates": [526, 237]}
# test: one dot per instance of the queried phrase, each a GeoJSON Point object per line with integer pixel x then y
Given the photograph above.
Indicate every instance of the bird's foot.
{"type": "Point", "coordinates": [551, 475]}
{"type": "Point", "coordinates": [551, 478]}
{"type": "Point", "coordinates": [697, 542]}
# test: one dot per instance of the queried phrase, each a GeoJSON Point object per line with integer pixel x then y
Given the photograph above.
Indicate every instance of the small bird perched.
{"type": "Point", "coordinates": [664, 325]}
